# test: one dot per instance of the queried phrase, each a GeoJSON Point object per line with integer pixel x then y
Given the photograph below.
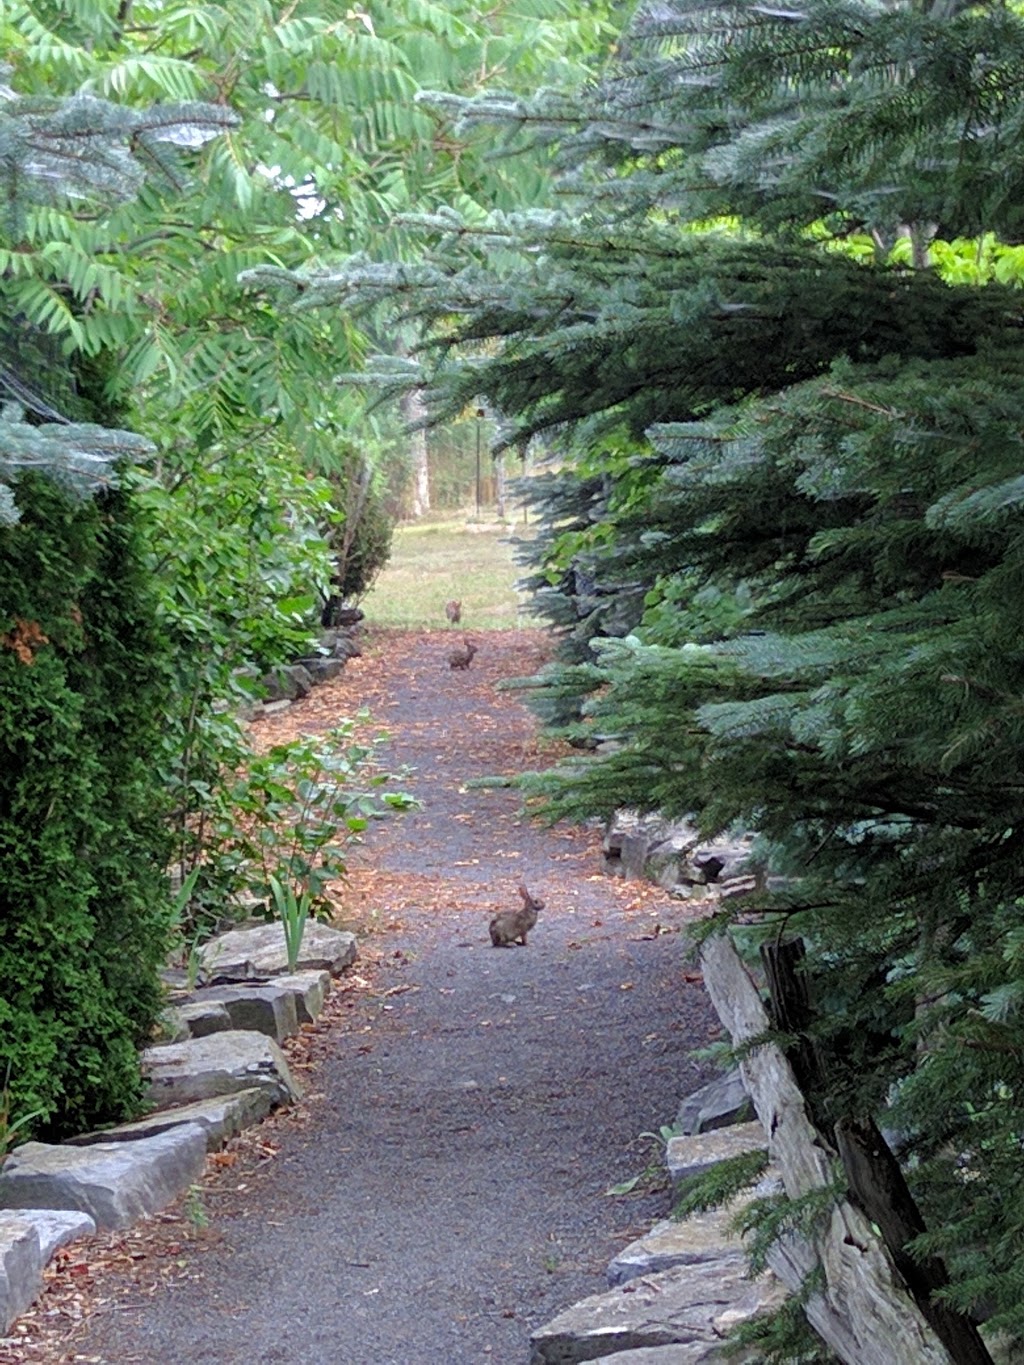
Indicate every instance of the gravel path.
{"type": "Point", "coordinates": [446, 1193]}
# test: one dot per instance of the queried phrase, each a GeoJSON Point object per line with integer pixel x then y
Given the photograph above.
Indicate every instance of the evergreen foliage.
{"type": "Point", "coordinates": [84, 832]}
{"type": "Point", "coordinates": [83, 814]}
{"type": "Point", "coordinates": [807, 448]}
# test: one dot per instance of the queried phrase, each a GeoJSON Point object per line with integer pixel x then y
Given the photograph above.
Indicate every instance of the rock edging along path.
{"type": "Point", "coordinates": [446, 1193]}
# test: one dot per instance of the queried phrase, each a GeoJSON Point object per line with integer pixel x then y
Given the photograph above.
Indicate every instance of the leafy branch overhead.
{"type": "Point", "coordinates": [91, 152]}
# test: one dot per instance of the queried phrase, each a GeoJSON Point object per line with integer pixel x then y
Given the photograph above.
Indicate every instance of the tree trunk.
{"type": "Point", "coordinates": [790, 1009]}
{"type": "Point", "coordinates": [877, 1184]}
{"type": "Point", "coordinates": [499, 485]}
{"type": "Point", "coordinates": [413, 411]}
{"type": "Point", "coordinates": [873, 1174]}
{"type": "Point", "coordinates": [864, 1312]}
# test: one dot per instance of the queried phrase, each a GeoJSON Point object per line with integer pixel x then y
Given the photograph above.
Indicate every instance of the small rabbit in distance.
{"type": "Point", "coordinates": [453, 610]}
{"type": "Point", "coordinates": [462, 658]}
{"type": "Point", "coordinates": [512, 926]}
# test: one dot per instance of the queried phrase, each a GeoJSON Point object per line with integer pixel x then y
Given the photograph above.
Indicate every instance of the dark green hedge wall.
{"type": "Point", "coordinates": [83, 899]}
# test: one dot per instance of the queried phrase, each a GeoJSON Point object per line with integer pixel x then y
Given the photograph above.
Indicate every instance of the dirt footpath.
{"type": "Point", "coordinates": [443, 1190]}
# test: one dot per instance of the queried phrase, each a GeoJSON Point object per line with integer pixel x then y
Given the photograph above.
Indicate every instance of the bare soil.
{"type": "Point", "coordinates": [442, 1190]}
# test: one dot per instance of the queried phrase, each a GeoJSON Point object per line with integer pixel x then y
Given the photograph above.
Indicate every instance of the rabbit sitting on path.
{"type": "Point", "coordinates": [512, 926]}
{"type": "Point", "coordinates": [462, 658]}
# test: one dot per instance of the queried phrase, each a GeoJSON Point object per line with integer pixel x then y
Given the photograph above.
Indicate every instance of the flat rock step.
{"type": "Point", "coordinates": [703, 1237]}
{"type": "Point", "coordinates": [276, 1006]}
{"type": "Point", "coordinates": [220, 1064]}
{"type": "Point", "coordinates": [698, 1152]}
{"type": "Point", "coordinates": [693, 1305]}
{"type": "Point", "coordinates": [220, 1119]}
{"type": "Point", "coordinates": [719, 1104]}
{"type": "Point", "coordinates": [28, 1238]}
{"type": "Point", "coordinates": [673, 1355]}
{"type": "Point", "coordinates": [115, 1183]}
{"type": "Point", "coordinates": [259, 951]}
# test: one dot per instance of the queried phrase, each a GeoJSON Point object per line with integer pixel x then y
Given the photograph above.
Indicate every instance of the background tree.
{"type": "Point", "coordinates": [808, 453]}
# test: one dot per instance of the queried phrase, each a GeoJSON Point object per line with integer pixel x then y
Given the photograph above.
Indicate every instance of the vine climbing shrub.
{"type": "Point", "coordinates": [83, 820]}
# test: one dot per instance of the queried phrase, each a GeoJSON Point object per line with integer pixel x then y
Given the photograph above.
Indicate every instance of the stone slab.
{"type": "Point", "coordinates": [220, 1118]}
{"type": "Point", "coordinates": [289, 682]}
{"type": "Point", "coordinates": [693, 1354]}
{"type": "Point", "coordinates": [221, 1064]}
{"type": "Point", "coordinates": [702, 1237]}
{"type": "Point", "coordinates": [21, 1267]}
{"type": "Point", "coordinates": [692, 1305]}
{"type": "Point", "coordinates": [692, 1155]}
{"type": "Point", "coordinates": [56, 1227]}
{"type": "Point", "coordinates": [323, 668]}
{"type": "Point", "coordinates": [264, 1007]}
{"type": "Point", "coordinates": [116, 1183]}
{"type": "Point", "coordinates": [170, 1027]}
{"type": "Point", "coordinates": [721, 1103]}
{"type": "Point", "coordinates": [200, 1018]}
{"type": "Point", "coordinates": [259, 951]}
{"type": "Point", "coordinates": [311, 988]}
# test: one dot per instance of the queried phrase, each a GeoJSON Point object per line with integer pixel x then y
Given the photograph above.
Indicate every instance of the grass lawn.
{"type": "Point", "coordinates": [435, 560]}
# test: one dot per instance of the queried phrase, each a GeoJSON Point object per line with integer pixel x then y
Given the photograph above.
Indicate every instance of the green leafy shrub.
{"type": "Point", "coordinates": [83, 845]}
{"type": "Point", "coordinates": [287, 820]}
{"type": "Point", "coordinates": [360, 541]}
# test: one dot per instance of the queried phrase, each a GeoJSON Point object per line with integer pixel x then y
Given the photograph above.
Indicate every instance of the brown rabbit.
{"type": "Point", "coordinates": [512, 926]}
{"type": "Point", "coordinates": [462, 658]}
{"type": "Point", "coordinates": [453, 610]}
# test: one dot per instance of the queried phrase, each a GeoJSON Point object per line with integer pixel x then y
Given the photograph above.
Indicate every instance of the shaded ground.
{"type": "Point", "coordinates": [442, 1191]}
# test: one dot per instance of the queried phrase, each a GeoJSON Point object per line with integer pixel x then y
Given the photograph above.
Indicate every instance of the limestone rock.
{"type": "Point", "coordinates": [310, 989]}
{"type": "Point", "coordinates": [322, 669]}
{"type": "Point", "coordinates": [258, 1008]}
{"type": "Point", "coordinates": [628, 841]}
{"type": "Point", "coordinates": [259, 951]}
{"type": "Point", "coordinates": [221, 1064]}
{"type": "Point", "coordinates": [672, 854]}
{"type": "Point", "coordinates": [693, 1354]}
{"type": "Point", "coordinates": [116, 1183]}
{"type": "Point", "coordinates": [287, 683]}
{"type": "Point", "coordinates": [703, 1237]}
{"type": "Point", "coordinates": [345, 647]}
{"type": "Point", "coordinates": [21, 1267]}
{"type": "Point", "coordinates": [719, 1104]}
{"type": "Point", "coordinates": [28, 1239]}
{"type": "Point", "coordinates": [200, 1018]}
{"type": "Point", "coordinates": [220, 1119]}
{"type": "Point", "coordinates": [694, 1154]}
{"type": "Point", "coordinates": [718, 860]}
{"type": "Point", "coordinates": [692, 1305]}
{"type": "Point", "coordinates": [666, 862]}
{"type": "Point", "coordinates": [276, 1007]}
{"type": "Point", "coordinates": [170, 1027]}
{"type": "Point", "coordinates": [55, 1227]}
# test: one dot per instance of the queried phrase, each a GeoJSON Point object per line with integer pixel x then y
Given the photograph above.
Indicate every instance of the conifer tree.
{"type": "Point", "coordinates": [811, 444]}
